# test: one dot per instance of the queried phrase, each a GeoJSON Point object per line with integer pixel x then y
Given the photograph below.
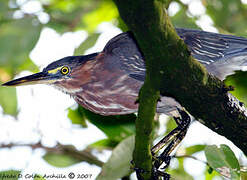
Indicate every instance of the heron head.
{"type": "Point", "coordinates": [66, 74]}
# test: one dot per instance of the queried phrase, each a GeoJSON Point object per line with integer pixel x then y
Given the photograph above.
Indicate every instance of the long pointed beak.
{"type": "Point", "coordinates": [38, 78]}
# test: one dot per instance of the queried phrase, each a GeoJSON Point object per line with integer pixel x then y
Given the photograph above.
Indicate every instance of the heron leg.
{"type": "Point", "coordinates": [165, 157]}
{"type": "Point", "coordinates": [173, 138]}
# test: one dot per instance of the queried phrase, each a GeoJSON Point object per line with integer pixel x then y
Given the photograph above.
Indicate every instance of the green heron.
{"type": "Point", "coordinates": [108, 82]}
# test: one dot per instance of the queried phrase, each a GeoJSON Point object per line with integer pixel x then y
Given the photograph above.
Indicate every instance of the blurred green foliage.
{"type": "Point", "coordinates": [104, 144]}
{"type": "Point", "coordinates": [228, 15]}
{"type": "Point", "coordinates": [60, 159]}
{"type": "Point", "coordinates": [10, 174]}
{"type": "Point", "coordinates": [118, 165]}
{"type": "Point", "coordinates": [238, 81]}
{"type": "Point", "coordinates": [179, 173]}
{"type": "Point", "coordinates": [17, 39]}
{"type": "Point", "coordinates": [88, 43]}
{"type": "Point", "coordinates": [38, 177]}
{"type": "Point", "coordinates": [116, 128]}
{"type": "Point", "coordinates": [8, 100]}
{"type": "Point", "coordinates": [20, 31]}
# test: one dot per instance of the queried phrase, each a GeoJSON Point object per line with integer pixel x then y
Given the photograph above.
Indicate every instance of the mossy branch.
{"type": "Point", "coordinates": [171, 70]}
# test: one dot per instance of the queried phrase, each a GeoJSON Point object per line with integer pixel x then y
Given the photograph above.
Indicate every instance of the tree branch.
{"type": "Point", "coordinates": [172, 70]}
{"type": "Point", "coordinates": [84, 155]}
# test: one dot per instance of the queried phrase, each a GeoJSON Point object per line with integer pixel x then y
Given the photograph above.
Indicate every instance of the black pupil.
{"type": "Point", "coordinates": [65, 70]}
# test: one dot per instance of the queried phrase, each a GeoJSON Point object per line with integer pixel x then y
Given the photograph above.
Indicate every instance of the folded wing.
{"type": "Point", "coordinates": [220, 54]}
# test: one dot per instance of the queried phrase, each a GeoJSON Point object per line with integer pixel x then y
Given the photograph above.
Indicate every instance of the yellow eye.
{"type": "Point", "coordinates": [65, 70]}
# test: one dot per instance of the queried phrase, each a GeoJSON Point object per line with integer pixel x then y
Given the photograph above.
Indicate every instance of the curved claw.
{"type": "Point", "coordinates": [156, 174]}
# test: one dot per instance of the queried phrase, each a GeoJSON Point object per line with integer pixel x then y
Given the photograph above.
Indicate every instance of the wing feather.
{"type": "Point", "coordinates": [222, 55]}
{"type": "Point", "coordinates": [124, 49]}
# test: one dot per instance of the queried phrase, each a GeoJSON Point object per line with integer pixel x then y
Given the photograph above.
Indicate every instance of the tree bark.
{"type": "Point", "coordinates": [171, 70]}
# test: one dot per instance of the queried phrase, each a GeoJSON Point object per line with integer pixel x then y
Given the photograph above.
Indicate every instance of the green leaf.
{"type": "Point", "coordinates": [193, 149]}
{"type": "Point", "coordinates": [116, 128]}
{"type": "Point", "coordinates": [106, 12]}
{"type": "Point", "coordinates": [223, 160]}
{"type": "Point", "coordinates": [88, 43]}
{"type": "Point", "coordinates": [170, 125]}
{"type": "Point", "coordinates": [180, 173]}
{"type": "Point", "coordinates": [5, 12]}
{"type": "Point", "coordinates": [60, 160]}
{"type": "Point", "coordinates": [118, 164]}
{"type": "Point", "coordinates": [10, 174]}
{"type": "Point", "coordinates": [243, 173]}
{"type": "Point", "coordinates": [228, 16]}
{"type": "Point", "coordinates": [210, 170]}
{"type": "Point", "coordinates": [28, 65]}
{"type": "Point", "coordinates": [122, 25]}
{"type": "Point", "coordinates": [104, 144]}
{"type": "Point", "coordinates": [182, 20]}
{"type": "Point", "coordinates": [17, 39]}
{"type": "Point", "coordinates": [77, 117]}
{"type": "Point", "coordinates": [211, 174]}
{"type": "Point", "coordinates": [38, 177]}
{"type": "Point", "coordinates": [238, 81]}
{"type": "Point", "coordinates": [8, 100]}
{"type": "Point", "coordinates": [67, 15]}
